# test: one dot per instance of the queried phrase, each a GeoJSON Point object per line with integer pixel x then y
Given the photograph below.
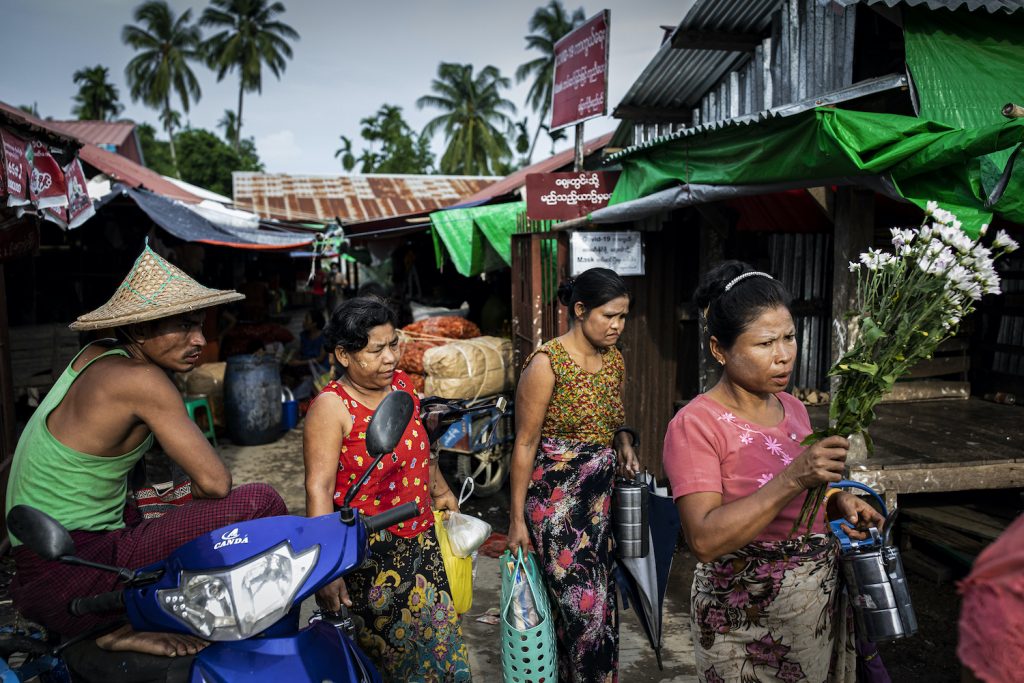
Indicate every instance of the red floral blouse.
{"type": "Point", "coordinates": [401, 477]}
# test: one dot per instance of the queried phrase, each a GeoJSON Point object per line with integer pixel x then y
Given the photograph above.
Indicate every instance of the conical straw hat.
{"type": "Point", "coordinates": [153, 289]}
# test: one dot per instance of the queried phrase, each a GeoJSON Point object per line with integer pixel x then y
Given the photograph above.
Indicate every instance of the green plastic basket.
{"type": "Point", "coordinates": [527, 656]}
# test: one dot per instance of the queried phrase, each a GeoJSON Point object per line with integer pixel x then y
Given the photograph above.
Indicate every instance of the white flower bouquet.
{"type": "Point", "coordinates": [908, 302]}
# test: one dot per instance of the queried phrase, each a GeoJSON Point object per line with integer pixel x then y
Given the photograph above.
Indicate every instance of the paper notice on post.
{"type": "Point", "coordinates": [622, 252]}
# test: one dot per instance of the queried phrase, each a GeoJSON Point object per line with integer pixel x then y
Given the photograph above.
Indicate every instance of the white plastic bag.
{"type": "Point", "coordinates": [466, 533]}
{"type": "Point", "coordinates": [523, 608]}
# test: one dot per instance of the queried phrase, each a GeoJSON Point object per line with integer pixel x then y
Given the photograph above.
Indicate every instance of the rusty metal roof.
{"type": "Point", "coordinates": [97, 132]}
{"type": "Point", "coordinates": [123, 169]}
{"type": "Point", "coordinates": [514, 181]}
{"type": "Point", "coordinates": [350, 198]}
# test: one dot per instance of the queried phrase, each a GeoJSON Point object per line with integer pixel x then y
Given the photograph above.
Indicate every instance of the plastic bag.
{"type": "Point", "coordinates": [528, 636]}
{"type": "Point", "coordinates": [522, 612]}
{"type": "Point", "coordinates": [459, 569]}
{"type": "Point", "coordinates": [466, 533]}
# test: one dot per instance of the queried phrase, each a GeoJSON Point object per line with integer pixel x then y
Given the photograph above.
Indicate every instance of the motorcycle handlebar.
{"type": "Point", "coordinates": [104, 602]}
{"type": "Point", "coordinates": [390, 517]}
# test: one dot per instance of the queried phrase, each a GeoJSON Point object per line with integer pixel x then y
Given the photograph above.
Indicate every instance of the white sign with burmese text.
{"type": "Point", "coordinates": [622, 252]}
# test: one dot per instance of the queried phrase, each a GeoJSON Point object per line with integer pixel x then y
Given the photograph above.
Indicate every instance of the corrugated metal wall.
{"type": "Point", "coordinates": [809, 53]}
{"type": "Point", "coordinates": [801, 263]}
{"type": "Point", "coordinates": [652, 343]}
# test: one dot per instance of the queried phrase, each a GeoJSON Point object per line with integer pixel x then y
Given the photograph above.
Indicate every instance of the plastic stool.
{"type": "Point", "coordinates": [194, 402]}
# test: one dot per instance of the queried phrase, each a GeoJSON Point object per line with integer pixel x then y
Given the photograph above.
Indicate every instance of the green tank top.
{"type": "Point", "coordinates": [81, 491]}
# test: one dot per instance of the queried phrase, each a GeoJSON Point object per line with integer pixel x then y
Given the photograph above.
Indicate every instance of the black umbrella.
{"type": "Point", "coordinates": [643, 580]}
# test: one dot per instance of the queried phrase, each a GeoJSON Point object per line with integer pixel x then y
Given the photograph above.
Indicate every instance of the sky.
{"type": "Point", "coordinates": [352, 57]}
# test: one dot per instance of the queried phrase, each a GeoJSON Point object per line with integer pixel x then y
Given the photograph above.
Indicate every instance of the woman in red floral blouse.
{"type": "Point", "coordinates": [400, 598]}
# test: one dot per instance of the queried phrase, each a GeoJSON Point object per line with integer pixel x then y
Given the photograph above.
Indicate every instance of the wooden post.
{"type": "Point", "coordinates": [854, 233]}
{"type": "Point", "coordinates": [577, 163]}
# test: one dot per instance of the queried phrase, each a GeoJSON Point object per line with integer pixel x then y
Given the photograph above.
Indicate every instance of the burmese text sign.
{"type": "Point", "coordinates": [580, 89]}
{"type": "Point", "coordinates": [564, 196]}
{"type": "Point", "coordinates": [622, 252]}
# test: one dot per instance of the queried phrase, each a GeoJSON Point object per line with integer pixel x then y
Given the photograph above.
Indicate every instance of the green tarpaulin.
{"type": "Point", "coordinates": [966, 66]}
{"type": "Point", "coordinates": [926, 160]}
{"type": "Point", "coordinates": [477, 239]}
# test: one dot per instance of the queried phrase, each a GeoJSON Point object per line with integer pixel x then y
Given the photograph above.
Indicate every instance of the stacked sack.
{"type": "Point", "coordinates": [447, 357]}
{"type": "Point", "coordinates": [425, 334]}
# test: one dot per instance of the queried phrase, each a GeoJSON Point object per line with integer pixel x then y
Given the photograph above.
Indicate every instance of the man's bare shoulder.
{"type": "Point", "coordinates": [130, 379]}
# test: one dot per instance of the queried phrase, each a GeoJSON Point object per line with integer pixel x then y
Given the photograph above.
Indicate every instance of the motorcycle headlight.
{"type": "Point", "coordinates": [238, 602]}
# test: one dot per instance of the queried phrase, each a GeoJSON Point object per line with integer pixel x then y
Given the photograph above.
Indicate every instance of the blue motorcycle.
{"type": "Point", "coordinates": [241, 587]}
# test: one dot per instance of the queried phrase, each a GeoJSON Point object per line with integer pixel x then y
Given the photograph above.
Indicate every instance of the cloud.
{"type": "Point", "coordinates": [280, 152]}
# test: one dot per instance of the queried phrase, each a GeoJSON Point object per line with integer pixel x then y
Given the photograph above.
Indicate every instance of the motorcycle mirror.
{"type": "Point", "coordinates": [40, 532]}
{"type": "Point", "coordinates": [389, 423]}
{"type": "Point", "coordinates": [385, 430]}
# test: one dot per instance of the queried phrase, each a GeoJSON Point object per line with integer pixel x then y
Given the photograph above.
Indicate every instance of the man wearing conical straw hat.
{"type": "Point", "coordinates": [101, 416]}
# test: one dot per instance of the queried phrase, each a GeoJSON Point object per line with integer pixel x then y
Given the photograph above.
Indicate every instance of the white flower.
{"type": "Point", "coordinates": [854, 266]}
{"type": "Point", "coordinates": [1004, 241]}
{"type": "Point", "coordinates": [931, 207]}
{"type": "Point", "coordinates": [984, 229]}
{"type": "Point", "coordinates": [943, 216]}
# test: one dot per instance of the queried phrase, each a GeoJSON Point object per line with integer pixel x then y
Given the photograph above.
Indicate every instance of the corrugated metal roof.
{"type": "Point", "coordinates": [676, 78]}
{"type": "Point", "coordinates": [972, 5]}
{"type": "Point", "coordinates": [132, 174]}
{"type": "Point", "coordinates": [857, 90]}
{"type": "Point", "coordinates": [350, 198]}
{"type": "Point", "coordinates": [97, 132]}
{"type": "Point", "coordinates": [679, 84]}
{"type": "Point", "coordinates": [115, 166]}
{"type": "Point", "coordinates": [514, 181]}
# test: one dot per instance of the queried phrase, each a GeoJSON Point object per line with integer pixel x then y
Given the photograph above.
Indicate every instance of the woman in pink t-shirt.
{"type": "Point", "coordinates": [763, 606]}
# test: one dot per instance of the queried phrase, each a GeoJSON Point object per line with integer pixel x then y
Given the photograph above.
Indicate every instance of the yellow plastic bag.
{"type": "Point", "coordinates": [459, 569]}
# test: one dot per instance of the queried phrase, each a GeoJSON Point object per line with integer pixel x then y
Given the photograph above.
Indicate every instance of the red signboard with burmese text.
{"type": "Point", "coordinates": [564, 196]}
{"type": "Point", "coordinates": [580, 89]}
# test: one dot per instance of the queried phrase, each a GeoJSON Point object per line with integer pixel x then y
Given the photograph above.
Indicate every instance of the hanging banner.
{"type": "Point", "coordinates": [46, 187]}
{"type": "Point", "coordinates": [16, 168]}
{"type": "Point", "coordinates": [80, 207]}
{"type": "Point", "coordinates": [580, 89]}
{"type": "Point", "coordinates": [564, 196]}
{"type": "Point", "coordinates": [622, 252]}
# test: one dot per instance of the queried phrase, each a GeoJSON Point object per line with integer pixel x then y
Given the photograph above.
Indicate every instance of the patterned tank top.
{"type": "Point", "coordinates": [401, 476]}
{"type": "Point", "coordinates": [584, 406]}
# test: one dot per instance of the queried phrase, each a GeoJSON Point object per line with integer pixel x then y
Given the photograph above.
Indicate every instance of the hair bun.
{"type": "Point", "coordinates": [565, 291]}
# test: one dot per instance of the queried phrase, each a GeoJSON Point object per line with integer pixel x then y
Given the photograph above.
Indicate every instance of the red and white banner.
{"type": "Point", "coordinates": [580, 89]}
{"type": "Point", "coordinates": [16, 168]}
{"type": "Point", "coordinates": [79, 204]}
{"type": "Point", "coordinates": [564, 196]}
{"type": "Point", "coordinates": [46, 187]}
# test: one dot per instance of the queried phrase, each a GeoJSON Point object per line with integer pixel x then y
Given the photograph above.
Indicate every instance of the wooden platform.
{"type": "Point", "coordinates": [941, 445]}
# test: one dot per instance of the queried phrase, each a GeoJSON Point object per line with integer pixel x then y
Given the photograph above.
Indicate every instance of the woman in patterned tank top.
{"type": "Point", "coordinates": [569, 439]}
{"type": "Point", "coordinates": [400, 598]}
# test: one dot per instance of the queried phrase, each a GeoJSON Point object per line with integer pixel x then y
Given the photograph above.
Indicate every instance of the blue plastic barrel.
{"type": "Point", "coordinates": [252, 399]}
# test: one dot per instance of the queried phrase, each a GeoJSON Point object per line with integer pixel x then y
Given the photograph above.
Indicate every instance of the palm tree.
{"type": "Point", "coordinates": [549, 24]}
{"type": "Point", "coordinates": [475, 120]}
{"type": "Point", "coordinates": [165, 46]}
{"type": "Point", "coordinates": [250, 36]}
{"type": "Point", "coordinates": [229, 122]}
{"type": "Point", "coordinates": [555, 135]}
{"type": "Point", "coordinates": [348, 160]}
{"type": "Point", "coordinates": [97, 97]}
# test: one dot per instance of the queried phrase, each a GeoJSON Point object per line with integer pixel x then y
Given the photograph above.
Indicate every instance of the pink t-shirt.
{"type": "Point", "coordinates": [708, 449]}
